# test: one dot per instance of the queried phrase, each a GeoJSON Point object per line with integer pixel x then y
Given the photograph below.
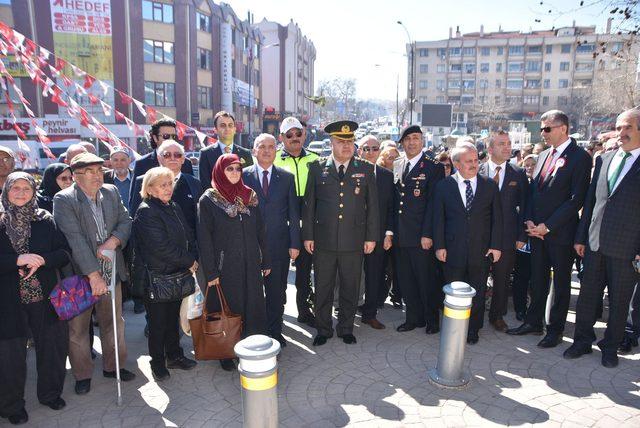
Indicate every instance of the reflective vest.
{"type": "Point", "coordinates": [299, 167]}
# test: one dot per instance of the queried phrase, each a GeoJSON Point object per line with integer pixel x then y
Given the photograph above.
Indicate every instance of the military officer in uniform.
{"type": "Point", "coordinates": [415, 177]}
{"type": "Point", "coordinates": [339, 225]}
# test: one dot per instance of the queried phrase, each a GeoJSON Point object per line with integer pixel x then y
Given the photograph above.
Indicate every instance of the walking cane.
{"type": "Point", "coordinates": [111, 255]}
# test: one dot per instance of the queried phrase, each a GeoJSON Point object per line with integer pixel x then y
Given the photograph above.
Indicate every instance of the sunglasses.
{"type": "Point", "coordinates": [548, 129]}
{"type": "Point", "coordinates": [233, 169]}
{"type": "Point", "coordinates": [291, 134]}
{"type": "Point", "coordinates": [169, 155]}
{"type": "Point", "coordinates": [65, 179]}
{"type": "Point", "coordinates": [370, 149]}
{"type": "Point", "coordinates": [446, 165]}
{"type": "Point", "coordinates": [169, 136]}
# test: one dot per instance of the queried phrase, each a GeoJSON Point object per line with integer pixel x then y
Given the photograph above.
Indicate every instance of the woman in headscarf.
{"type": "Point", "coordinates": [32, 251]}
{"type": "Point", "coordinates": [56, 176]}
{"type": "Point", "coordinates": [232, 246]}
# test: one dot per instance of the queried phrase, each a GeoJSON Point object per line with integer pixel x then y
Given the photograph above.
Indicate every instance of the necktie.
{"type": "Point", "coordinates": [547, 167]}
{"type": "Point", "coordinates": [614, 177]}
{"type": "Point", "coordinates": [406, 171]}
{"type": "Point", "coordinates": [496, 177]}
{"type": "Point", "coordinates": [227, 149]}
{"type": "Point", "coordinates": [468, 194]}
{"type": "Point", "coordinates": [265, 182]}
{"type": "Point", "coordinates": [341, 172]}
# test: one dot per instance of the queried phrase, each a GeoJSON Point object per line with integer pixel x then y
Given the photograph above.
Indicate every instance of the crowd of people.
{"type": "Point", "coordinates": [390, 220]}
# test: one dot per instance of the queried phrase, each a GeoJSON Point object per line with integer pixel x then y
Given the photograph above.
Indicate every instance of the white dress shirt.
{"type": "Point", "coordinates": [560, 149]}
{"type": "Point", "coordinates": [260, 173]}
{"type": "Point", "coordinates": [413, 161]}
{"type": "Point", "coordinates": [492, 171]}
{"type": "Point", "coordinates": [337, 164]}
{"type": "Point", "coordinates": [615, 162]}
{"type": "Point", "coordinates": [462, 186]}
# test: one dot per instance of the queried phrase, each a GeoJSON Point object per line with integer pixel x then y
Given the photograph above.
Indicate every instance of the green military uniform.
{"type": "Point", "coordinates": [340, 213]}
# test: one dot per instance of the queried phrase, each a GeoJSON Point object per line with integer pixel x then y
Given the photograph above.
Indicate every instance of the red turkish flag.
{"type": "Point", "coordinates": [181, 129]}
{"type": "Point", "coordinates": [88, 81]}
{"type": "Point", "coordinates": [151, 114]}
{"type": "Point", "coordinates": [126, 99]}
{"type": "Point", "coordinates": [93, 99]}
{"type": "Point", "coordinates": [60, 64]}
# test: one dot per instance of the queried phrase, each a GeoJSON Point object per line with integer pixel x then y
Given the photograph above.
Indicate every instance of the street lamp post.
{"type": "Point", "coordinates": [251, 59]}
{"type": "Point", "coordinates": [411, 65]}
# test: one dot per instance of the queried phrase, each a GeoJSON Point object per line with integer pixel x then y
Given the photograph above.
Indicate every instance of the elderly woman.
{"type": "Point", "coordinates": [56, 176]}
{"type": "Point", "coordinates": [32, 250]}
{"type": "Point", "coordinates": [166, 244]}
{"type": "Point", "coordinates": [232, 244]}
{"type": "Point", "coordinates": [387, 156]}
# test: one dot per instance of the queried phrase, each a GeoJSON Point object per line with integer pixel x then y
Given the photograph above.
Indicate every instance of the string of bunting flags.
{"type": "Point", "coordinates": [35, 59]}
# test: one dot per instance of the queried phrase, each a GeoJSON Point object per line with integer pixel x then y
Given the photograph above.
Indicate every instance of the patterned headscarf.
{"type": "Point", "coordinates": [17, 220]}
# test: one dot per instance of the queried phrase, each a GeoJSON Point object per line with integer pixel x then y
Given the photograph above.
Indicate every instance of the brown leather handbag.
{"type": "Point", "coordinates": [215, 334]}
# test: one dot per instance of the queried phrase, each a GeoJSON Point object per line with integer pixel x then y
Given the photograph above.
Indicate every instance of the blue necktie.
{"type": "Point", "coordinates": [468, 194]}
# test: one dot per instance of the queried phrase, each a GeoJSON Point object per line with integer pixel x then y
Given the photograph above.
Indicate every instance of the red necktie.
{"type": "Point", "coordinates": [265, 182]}
{"type": "Point", "coordinates": [548, 166]}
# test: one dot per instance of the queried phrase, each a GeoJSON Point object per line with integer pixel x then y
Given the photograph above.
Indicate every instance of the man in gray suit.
{"type": "Point", "coordinates": [608, 238]}
{"type": "Point", "coordinates": [93, 219]}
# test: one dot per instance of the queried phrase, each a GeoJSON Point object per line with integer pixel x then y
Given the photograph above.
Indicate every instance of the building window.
{"type": "Point", "coordinates": [454, 83]}
{"type": "Point", "coordinates": [584, 66]}
{"type": "Point", "coordinates": [585, 48]}
{"type": "Point", "coordinates": [204, 22]}
{"type": "Point", "coordinates": [468, 84]}
{"type": "Point", "coordinates": [422, 84]}
{"type": "Point", "coordinates": [565, 48]}
{"type": "Point", "coordinates": [498, 67]}
{"type": "Point", "coordinates": [514, 83]}
{"type": "Point", "coordinates": [455, 67]}
{"type": "Point", "coordinates": [584, 83]}
{"type": "Point", "coordinates": [483, 84]}
{"type": "Point", "coordinates": [531, 99]}
{"type": "Point", "coordinates": [422, 100]}
{"type": "Point", "coordinates": [453, 100]}
{"type": "Point", "coordinates": [498, 83]}
{"type": "Point", "coordinates": [441, 52]}
{"type": "Point", "coordinates": [515, 67]}
{"type": "Point", "coordinates": [204, 59]}
{"type": "Point", "coordinates": [154, 11]}
{"type": "Point", "coordinates": [159, 94]}
{"type": "Point", "coordinates": [485, 51]}
{"type": "Point", "coordinates": [562, 101]}
{"type": "Point", "coordinates": [534, 66]}
{"type": "Point", "coordinates": [547, 83]}
{"type": "Point", "coordinates": [549, 49]}
{"type": "Point", "coordinates": [440, 99]}
{"type": "Point", "coordinates": [424, 68]}
{"type": "Point", "coordinates": [516, 50]}
{"type": "Point", "coordinates": [419, 117]}
{"type": "Point", "coordinates": [564, 66]}
{"type": "Point", "coordinates": [563, 83]}
{"type": "Point", "coordinates": [204, 97]}
{"type": "Point", "coordinates": [470, 68]}
{"type": "Point", "coordinates": [534, 50]}
{"type": "Point", "coordinates": [468, 51]}
{"type": "Point", "coordinates": [454, 51]}
{"type": "Point", "coordinates": [467, 100]}
{"type": "Point", "coordinates": [157, 51]}
{"type": "Point", "coordinates": [500, 50]}
{"type": "Point", "coordinates": [547, 66]}
{"type": "Point", "coordinates": [532, 83]}
{"type": "Point", "coordinates": [440, 68]}
{"type": "Point", "coordinates": [513, 99]}
{"type": "Point", "coordinates": [423, 52]}
{"type": "Point", "coordinates": [484, 67]}
{"type": "Point", "coordinates": [545, 101]}
{"type": "Point", "coordinates": [483, 99]}
{"type": "Point", "coordinates": [497, 99]}
{"type": "Point", "coordinates": [439, 84]}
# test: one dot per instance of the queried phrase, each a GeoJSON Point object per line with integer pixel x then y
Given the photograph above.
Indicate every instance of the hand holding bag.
{"type": "Point", "coordinates": [170, 287]}
{"type": "Point", "coordinates": [72, 296]}
{"type": "Point", "coordinates": [215, 334]}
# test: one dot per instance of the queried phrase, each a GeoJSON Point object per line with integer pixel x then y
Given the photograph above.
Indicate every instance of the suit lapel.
{"type": "Point", "coordinates": [635, 168]}
{"type": "Point", "coordinates": [456, 191]}
{"type": "Point", "coordinates": [86, 212]}
{"type": "Point", "coordinates": [479, 192]}
{"type": "Point", "coordinates": [539, 166]}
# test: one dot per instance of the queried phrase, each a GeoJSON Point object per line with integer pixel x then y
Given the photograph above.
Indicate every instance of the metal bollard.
{"type": "Point", "coordinates": [453, 336]}
{"type": "Point", "coordinates": [259, 379]}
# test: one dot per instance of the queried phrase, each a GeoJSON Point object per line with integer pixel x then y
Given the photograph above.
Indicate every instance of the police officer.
{"type": "Point", "coordinates": [415, 177]}
{"type": "Point", "coordinates": [339, 225]}
{"type": "Point", "coordinates": [295, 159]}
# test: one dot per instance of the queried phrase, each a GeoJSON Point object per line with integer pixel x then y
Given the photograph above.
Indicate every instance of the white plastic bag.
{"type": "Point", "coordinates": [191, 308]}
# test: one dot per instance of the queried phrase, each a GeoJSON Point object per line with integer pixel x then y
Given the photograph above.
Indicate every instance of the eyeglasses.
{"type": "Point", "coordinates": [290, 134]}
{"type": "Point", "coordinates": [169, 136]}
{"type": "Point", "coordinates": [233, 169]}
{"type": "Point", "coordinates": [446, 165]}
{"type": "Point", "coordinates": [91, 172]}
{"type": "Point", "coordinates": [370, 149]}
{"type": "Point", "coordinates": [6, 160]}
{"type": "Point", "coordinates": [548, 129]}
{"type": "Point", "coordinates": [169, 155]}
{"type": "Point", "coordinates": [65, 179]}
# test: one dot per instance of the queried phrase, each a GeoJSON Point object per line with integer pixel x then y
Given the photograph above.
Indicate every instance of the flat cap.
{"type": "Point", "coordinates": [85, 159]}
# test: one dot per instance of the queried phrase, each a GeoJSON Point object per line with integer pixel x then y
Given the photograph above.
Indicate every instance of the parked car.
{"type": "Point", "coordinates": [317, 147]}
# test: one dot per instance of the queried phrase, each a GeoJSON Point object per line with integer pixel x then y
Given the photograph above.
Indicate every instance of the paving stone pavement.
{"type": "Point", "coordinates": [380, 381]}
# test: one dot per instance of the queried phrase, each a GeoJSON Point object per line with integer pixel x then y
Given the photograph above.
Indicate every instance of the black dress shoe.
{"type": "Point", "coordinates": [182, 363]}
{"type": "Point", "coordinates": [307, 319]}
{"type": "Point", "coordinates": [19, 418]}
{"type": "Point", "coordinates": [576, 351]}
{"type": "Point", "coordinates": [609, 360]}
{"type": "Point", "coordinates": [433, 329]}
{"type": "Point", "coordinates": [228, 365]}
{"type": "Point", "coordinates": [55, 404]}
{"type": "Point", "coordinates": [520, 316]}
{"type": "Point", "coordinates": [125, 375]}
{"type": "Point", "coordinates": [525, 329]}
{"type": "Point", "coordinates": [319, 340]}
{"type": "Point", "coordinates": [472, 338]}
{"type": "Point", "coordinates": [280, 339]}
{"type": "Point", "coordinates": [160, 373]}
{"type": "Point", "coordinates": [83, 386]}
{"type": "Point", "coordinates": [627, 345]}
{"type": "Point", "coordinates": [349, 339]}
{"type": "Point", "coordinates": [551, 340]}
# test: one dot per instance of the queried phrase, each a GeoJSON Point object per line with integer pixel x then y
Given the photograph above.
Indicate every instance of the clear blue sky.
{"type": "Point", "coordinates": [352, 36]}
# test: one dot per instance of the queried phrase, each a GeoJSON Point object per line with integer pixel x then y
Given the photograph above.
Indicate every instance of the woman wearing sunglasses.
{"type": "Point", "coordinates": [232, 246]}
{"type": "Point", "coordinates": [56, 177]}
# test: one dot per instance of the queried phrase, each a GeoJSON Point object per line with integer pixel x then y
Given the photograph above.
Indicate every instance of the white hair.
{"type": "Point", "coordinates": [262, 137]}
{"type": "Point", "coordinates": [633, 113]}
{"type": "Point", "coordinates": [460, 148]}
{"type": "Point", "coordinates": [465, 139]}
{"type": "Point", "coordinates": [170, 143]}
{"type": "Point", "coordinates": [362, 141]}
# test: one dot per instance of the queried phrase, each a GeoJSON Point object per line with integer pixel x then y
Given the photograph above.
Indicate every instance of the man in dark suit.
{"type": "Point", "coordinates": [415, 178]}
{"type": "Point", "coordinates": [374, 263]}
{"type": "Point", "coordinates": [161, 130]}
{"type": "Point", "coordinates": [608, 238]}
{"type": "Point", "coordinates": [340, 223]}
{"type": "Point", "coordinates": [513, 184]}
{"type": "Point", "coordinates": [280, 209]}
{"type": "Point", "coordinates": [225, 127]}
{"type": "Point", "coordinates": [556, 195]}
{"type": "Point", "coordinates": [467, 228]}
